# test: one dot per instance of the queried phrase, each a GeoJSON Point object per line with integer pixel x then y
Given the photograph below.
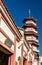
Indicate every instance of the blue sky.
{"type": "Point", "coordinates": [19, 10]}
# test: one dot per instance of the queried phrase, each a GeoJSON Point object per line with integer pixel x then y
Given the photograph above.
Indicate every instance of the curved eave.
{"type": "Point", "coordinates": [29, 19]}
{"type": "Point", "coordinates": [35, 51]}
{"type": "Point", "coordinates": [29, 25]}
{"type": "Point", "coordinates": [31, 33]}
{"type": "Point", "coordinates": [34, 43]}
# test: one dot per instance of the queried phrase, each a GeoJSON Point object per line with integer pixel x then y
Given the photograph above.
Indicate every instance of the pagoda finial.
{"type": "Point", "coordinates": [29, 13]}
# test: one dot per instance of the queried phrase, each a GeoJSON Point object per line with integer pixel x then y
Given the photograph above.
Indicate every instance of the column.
{"type": "Point", "coordinates": [9, 60]}
{"type": "Point", "coordinates": [13, 56]}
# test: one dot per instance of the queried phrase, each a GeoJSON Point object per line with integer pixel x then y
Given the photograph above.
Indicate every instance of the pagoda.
{"type": "Point", "coordinates": [31, 34]}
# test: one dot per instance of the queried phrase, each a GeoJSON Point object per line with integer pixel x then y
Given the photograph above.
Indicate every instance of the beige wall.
{"type": "Point", "coordinates": [18, 50]}
{"type": "Point", "coordinates": [7, 30]}
{"type": "Point", "coordinates": [4, 39]}
{"type": "Point", "coordinates": [40, 60]}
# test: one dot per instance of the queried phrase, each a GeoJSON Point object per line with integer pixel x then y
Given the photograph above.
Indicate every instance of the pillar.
{"type": "Point", "coordinates": [13, 56]}
{"type": "Point", "coordinates": [9, 60]}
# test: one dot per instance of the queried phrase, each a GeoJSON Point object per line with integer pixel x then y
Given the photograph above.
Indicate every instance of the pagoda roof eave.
{"type": "Point", "coordinates": [29, 18]}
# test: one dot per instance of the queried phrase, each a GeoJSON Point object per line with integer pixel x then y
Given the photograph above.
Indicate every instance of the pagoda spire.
{"type": "Point", "coordinates": [29, 13]}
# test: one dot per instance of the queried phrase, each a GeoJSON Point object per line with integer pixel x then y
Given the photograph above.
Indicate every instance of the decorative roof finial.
{"type": "Point", "coordinates": [29, 13]}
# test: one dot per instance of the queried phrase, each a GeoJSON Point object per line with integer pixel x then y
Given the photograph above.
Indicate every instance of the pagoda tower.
{"type": "Point", "coordinates": [31, 34]}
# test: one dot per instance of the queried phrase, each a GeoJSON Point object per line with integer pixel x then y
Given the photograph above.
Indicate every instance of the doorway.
{"type": "Point", "coordinates": [3, 58]}
{"type": "Point", "coordinates": [24, 61]}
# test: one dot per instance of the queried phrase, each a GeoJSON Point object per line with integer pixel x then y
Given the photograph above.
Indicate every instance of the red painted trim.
{"type": "Point", "coordinates": [35, 44]}
{"type": "Point", "coordinates": [13, 56]}
{"type": "Point", "coordinates": [5, 47]}
{"type": "Point", "coordinates": [9, 60]}
{"type": "Point", "coordinates": [0, 17]}
{"type": "Point", "coordinates": [5, 35]}
{"type": "Point", "coordinates": [10, 18]}
{"type": "Point", "coordinates": [14, 51]}
{"type": "Point", "coordinates": [31, 33]}
{"type": "Point", "coordinates": [29, 25]}
{"type": "Point", "coordinates": [26, 62]}
{"type": "Point", "coordinates": [8, 25]}
{"type": "Point", "coordinates": [6, 22]}
{"type": "Point", "coordinates": [29, 19]}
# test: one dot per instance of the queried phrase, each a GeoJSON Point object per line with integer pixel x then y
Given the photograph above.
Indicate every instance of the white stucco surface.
{"type": "Point", "coordinates": [7, 30]}
{"type": "Point", "coordinates": [2, 38]}
{"type": "Point", "coordinates": [18, 51]}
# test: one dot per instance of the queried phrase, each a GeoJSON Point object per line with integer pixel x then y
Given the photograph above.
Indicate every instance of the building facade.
{"type": "Point", "coordinates": [40, 60]}
{"type": "Point", "coordinates": [31, 35]}
{"type": "Point", "coordinates": [18, 46]}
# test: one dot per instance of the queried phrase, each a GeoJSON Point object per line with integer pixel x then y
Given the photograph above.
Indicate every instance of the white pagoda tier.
{"type": "Point", "coordinates": [31, 34]}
